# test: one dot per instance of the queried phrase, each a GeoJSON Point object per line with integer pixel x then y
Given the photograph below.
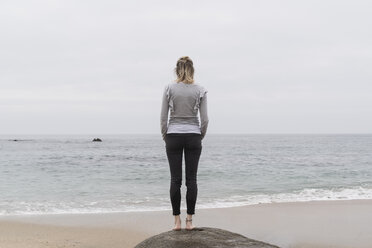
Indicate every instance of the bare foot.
{"type": "Point", "coordinates": [177, 224]}
{"type": "Point", "coordinates": [189, 225]}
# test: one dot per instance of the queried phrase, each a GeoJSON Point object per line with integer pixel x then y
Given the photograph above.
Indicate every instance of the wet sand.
{"type": "Point", "coordinates": [341, 224]}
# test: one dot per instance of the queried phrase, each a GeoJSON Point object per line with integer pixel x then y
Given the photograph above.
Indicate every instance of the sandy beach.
{"type": "Point", "coordinates": [343, 223]}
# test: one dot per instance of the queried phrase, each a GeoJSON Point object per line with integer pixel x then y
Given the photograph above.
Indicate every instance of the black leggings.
{"type": "Point", "coordinates": [176, 143]}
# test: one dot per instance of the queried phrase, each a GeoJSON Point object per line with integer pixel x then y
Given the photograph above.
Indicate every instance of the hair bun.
{"type": "Point", "coordinates": [185, 59]}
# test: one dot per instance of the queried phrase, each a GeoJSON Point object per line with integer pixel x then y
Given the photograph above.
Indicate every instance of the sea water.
{"type": "Point", "coordinates": [52, 174]}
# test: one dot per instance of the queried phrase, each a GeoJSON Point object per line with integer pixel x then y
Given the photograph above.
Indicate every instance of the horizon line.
{"type": "Point", "coordinates": [94, 134]}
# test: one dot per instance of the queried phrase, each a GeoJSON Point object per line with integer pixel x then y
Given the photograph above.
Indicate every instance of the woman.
{"type": "Point", "coordinates": [183, 133]}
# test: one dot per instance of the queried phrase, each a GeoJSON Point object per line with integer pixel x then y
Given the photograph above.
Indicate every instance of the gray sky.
{"type": "Point", "coordinates": [99, 67]}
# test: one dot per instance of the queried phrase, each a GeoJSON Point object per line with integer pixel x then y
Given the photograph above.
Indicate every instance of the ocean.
{"type": "Point", "coordinates": [54, 174]}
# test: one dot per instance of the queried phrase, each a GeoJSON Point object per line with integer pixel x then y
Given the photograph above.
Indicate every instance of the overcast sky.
{"type": "Point", "coordinates": [100, 67]}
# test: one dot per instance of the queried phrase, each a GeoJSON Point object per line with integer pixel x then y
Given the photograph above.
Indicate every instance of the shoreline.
{"type": "Point", "coordinates": [182, 209]}
{"type": "Point", "coordinates": [336, 223]}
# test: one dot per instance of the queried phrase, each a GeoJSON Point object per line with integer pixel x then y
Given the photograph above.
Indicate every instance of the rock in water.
{"type": "Point", "coordinates": [201, 237]}
{"type": "Point", "coordinates": [97, 140]}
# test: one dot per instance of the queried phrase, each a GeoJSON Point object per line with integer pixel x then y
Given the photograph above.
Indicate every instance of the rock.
{"type": "Point", "coordinates": [97, 140]}
{"type": "Point", "coordinates": [202, 237]}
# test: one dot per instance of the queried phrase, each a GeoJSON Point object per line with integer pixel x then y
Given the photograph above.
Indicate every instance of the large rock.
{"type": "Point", "coordinates": [202, 237]}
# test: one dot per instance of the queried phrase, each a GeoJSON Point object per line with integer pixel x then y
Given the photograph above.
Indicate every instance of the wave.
{"type": "Point", "coordinates": [305, 195]}
{"type": "Point", "coordinates": [162, 204]}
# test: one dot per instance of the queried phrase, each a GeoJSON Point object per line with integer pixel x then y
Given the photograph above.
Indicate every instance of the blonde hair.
{"type": "Point", "coordinates": [185, 70]}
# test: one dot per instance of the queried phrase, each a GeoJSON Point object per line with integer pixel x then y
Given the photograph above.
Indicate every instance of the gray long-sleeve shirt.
{"type": "Point", "coordinates": [184, 101]}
